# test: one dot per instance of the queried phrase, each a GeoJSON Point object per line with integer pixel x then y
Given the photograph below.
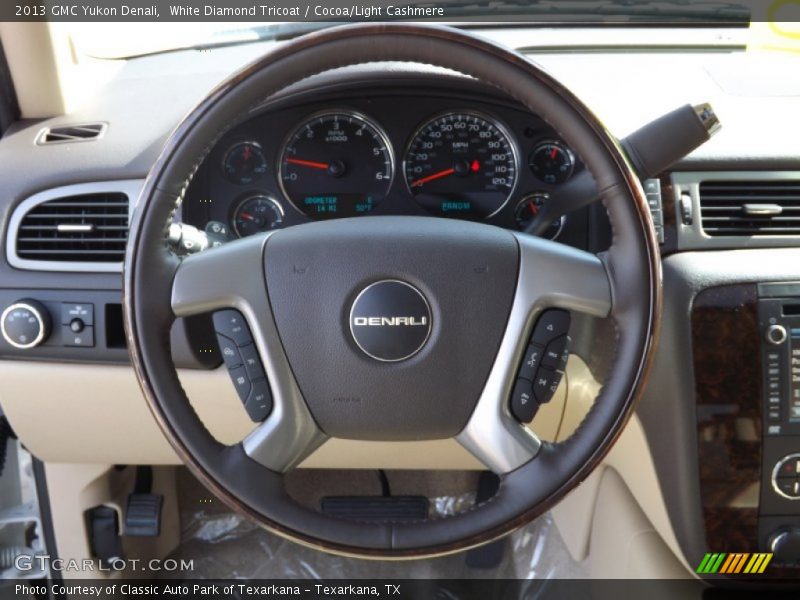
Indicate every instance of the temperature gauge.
{"type": "Point", "coordinates": [256, 214]}
{"type": "Point", "coordinates": [552, 162]}
{"type": "Point", "coordinates": [528, 208]}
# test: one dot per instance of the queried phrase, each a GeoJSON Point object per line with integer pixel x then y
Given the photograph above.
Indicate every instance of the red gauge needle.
{"type": "Point", "coordinates": [247, 216]}
{"type": "Point", "coordinates": [308, 163]}
{"type": "Point", "coordinates": [433, 177]}
{"type": "Point", "coordinates": [533, 207]}
{"type": "Point", "coordinates": [553, 152]}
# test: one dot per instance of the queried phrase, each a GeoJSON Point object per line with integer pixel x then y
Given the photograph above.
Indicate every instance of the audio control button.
{"type": "Point", "coordinates": [776, 334]}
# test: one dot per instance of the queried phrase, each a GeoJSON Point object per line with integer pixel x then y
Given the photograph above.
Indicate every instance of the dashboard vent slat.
{"type": "Point", "coordinates": [82, 228]}
{"type": "Point", "coordinates": [731, 208]}
{"type": "Point", "coordinates": [83, 132]}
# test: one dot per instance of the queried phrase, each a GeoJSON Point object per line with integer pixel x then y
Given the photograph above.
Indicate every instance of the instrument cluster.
{"type": "Point", "coordinates": [382, 155]}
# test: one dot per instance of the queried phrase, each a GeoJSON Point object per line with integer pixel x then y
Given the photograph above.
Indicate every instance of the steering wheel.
{"type": "Point", "coordinates": [391, 328]}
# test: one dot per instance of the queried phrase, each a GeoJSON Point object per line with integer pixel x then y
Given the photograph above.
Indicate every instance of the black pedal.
{"type": "Point", "coordinates": [104, 540]}
{"type": "Point", "coordinates": [143, 512]}
{"type": "Point", "coordinates": [376, 509]}
{"type": "Point", "coordinates": [143, 515]}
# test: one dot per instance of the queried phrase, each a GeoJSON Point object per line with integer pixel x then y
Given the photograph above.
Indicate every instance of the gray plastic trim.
{"type": "Point", "coordinates": [130, 187]}
{"type": "Point", "coordinates": [550, 275]}
{"type": "Point", "coordinates": [692, 237]}
{"type": "Point", "coordinates": [212, 280]}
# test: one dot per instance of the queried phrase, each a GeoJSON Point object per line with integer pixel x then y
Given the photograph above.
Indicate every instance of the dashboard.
{"type": "Point", "coordinates": [400, 151]}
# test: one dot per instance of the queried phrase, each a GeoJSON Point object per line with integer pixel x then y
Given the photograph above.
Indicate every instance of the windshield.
{"type": "Point", "coordinates": [123, 40]}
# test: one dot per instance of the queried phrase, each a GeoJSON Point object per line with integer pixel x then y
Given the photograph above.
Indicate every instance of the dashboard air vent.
{"type": "Point", "coordinates": [747, 208]}
{"type": "Point", "coordinates": [81, 228]}
{"type": "Point", "coordinates": [71, 133]}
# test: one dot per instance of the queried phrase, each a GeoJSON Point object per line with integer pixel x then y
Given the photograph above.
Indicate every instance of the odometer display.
{"type": "Point", "coordinates": [461, 165]}
{"type": "Point", "coordinates": [336, 164]}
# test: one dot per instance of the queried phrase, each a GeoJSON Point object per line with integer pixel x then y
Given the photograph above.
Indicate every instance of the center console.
{"type": "Point", "coordinates": [746, 355]}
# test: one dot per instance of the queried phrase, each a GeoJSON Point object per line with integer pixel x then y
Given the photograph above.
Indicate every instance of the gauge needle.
{"type": "Point", "coordinates": [308, 163]}
{"type": "Point", "coordinates": [553, 152]}
{"type": "Point", "coordinates": [433, 177]}
{"type": "Point", "coordinates": [247, 216]}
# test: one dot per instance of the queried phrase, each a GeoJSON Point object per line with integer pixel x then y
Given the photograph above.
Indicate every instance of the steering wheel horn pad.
{"type": "Point", "coordinates": [484, 288]}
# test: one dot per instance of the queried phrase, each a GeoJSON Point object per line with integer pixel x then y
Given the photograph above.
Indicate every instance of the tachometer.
{"type": "Point", "coordinates": [461, 164]}
{"type": "Point", "coordinates": [336, 164]}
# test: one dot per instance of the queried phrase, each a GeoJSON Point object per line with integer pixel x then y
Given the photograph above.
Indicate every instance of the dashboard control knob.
{"type": "Point", "coordinates": [785, 545]}
{"type": "Point", "coordinates": [25, 324]}
{"type": "Point", "coordinates": [776, 334]}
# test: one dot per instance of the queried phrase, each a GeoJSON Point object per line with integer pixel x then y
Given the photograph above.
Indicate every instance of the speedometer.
{"type": "Point", "coordinates": [336, 164]}
{"type": "Point", "coordinates": [461, 164]}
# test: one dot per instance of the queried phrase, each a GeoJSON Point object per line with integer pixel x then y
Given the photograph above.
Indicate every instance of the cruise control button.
{"type": "Point", "coordinates": [229, 351]}
{"type": "Point", "coordinates": [554, 353]}
{"type": "Point", "coordinates": [231, 324]}
{"type": "Point", "coordinates": [251, 361]}
{"type": "Point", "coordinates": [259, 403]}
{"type": "Point", "coordinates": [545, 385]}
{"type": "Point", "coordinates": [241, 382]}
{"type": "Point", "coordinates": [551, 324]}
{"type": "Point", "coordinates": [530, 361]}
{"type": "Point", "coordinates": [523, 406]}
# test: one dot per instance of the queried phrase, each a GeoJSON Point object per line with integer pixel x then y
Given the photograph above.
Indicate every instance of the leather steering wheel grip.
{"type": "Point", "coordinates": [632, 264]}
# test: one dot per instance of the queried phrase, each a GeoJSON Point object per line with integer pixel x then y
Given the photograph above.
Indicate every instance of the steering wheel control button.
{"type": "Point", "coordinates": [545, 385]}
{"type": "Point", "coordinates": [531, 362]}
{"type": "Point", "coordinates": [241, 382]}
{"type": "Point", "coordinates": [243, 362]}
{"type": "Point", "coordinates": [259, 403]}
{"type": "Point", "coordinates": [251, 361]}
{"type": "Point", "coordinates": [523, 404]}
{"type": "Point", "coordinates": [554, 353]}
{"type": "Point", "coordinates": [25, 324]}
{"type": "Point", "coordinates": [551, 324]}
{"type": "Point", "coordinates": [229, 351]}
{"type": "Point", "coordinates": [390, 320]}
{"type": "Point", "coordinates": [76, 310]}
{"type": "Point", "coordinates": [231, 324]}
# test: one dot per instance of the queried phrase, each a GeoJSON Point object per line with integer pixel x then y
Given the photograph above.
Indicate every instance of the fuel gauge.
{"type": "Point", "coordinates": [529, 207]}
{"type": "Point", "coordinates": [256, 214]}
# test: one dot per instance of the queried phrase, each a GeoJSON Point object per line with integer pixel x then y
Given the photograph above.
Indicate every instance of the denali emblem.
{"type": "Point", "coordinates": [390, 320]}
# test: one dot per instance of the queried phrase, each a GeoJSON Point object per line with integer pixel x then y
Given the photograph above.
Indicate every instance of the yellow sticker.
{"type": "Point", "coordinates": [775, 27]}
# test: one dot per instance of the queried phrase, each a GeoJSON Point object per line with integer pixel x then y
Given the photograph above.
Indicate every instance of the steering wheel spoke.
{"type": "Point", "coordinates": [213, 280]}
{"type": "Point", "coordinates": [550, 275]}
